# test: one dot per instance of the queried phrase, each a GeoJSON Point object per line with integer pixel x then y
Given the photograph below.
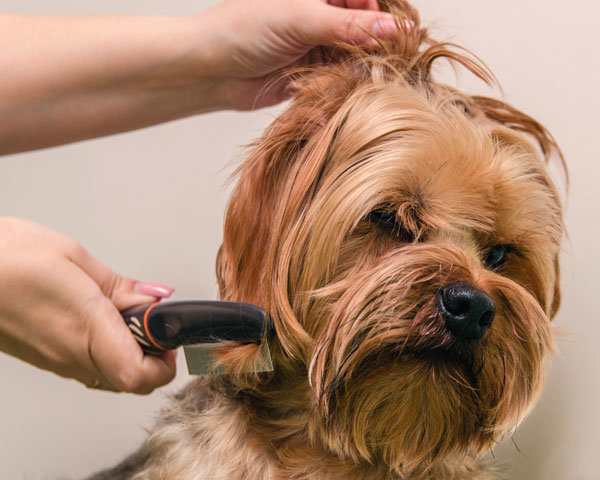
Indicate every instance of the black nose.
{"type": "Point", "coordinates": [468, 312]}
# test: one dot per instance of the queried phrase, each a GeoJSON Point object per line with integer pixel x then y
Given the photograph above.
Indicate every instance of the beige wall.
{"type": "Point", "coordinates": [149, 205]}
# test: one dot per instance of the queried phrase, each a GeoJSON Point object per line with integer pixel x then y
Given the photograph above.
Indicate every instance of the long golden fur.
{"type": "Point", "coordinates": [375, 189]}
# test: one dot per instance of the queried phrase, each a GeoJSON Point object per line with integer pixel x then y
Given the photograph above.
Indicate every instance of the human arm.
{"type": "Point", "coordinates": [74, 78]}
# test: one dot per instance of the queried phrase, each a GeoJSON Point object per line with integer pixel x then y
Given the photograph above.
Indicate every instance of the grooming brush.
{"type": "Point", "coordinates": [200, 327]}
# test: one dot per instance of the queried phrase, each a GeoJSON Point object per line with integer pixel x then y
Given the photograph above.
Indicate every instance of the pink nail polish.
{"type": "Point", "coordinates": [153, 289]}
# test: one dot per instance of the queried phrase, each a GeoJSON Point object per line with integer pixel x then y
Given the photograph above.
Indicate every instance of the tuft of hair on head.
{"type": "Point", "coordinates": [406, 58]}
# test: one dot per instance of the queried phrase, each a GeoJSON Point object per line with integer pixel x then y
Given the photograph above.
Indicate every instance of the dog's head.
{"type": "Point", "coordinates": [404, 238]}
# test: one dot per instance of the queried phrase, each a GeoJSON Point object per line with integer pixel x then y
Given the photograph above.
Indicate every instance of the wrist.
{"type": "Point", "coordinates": [222, 68]}
{"type": "Point", "coordinates": [184, 70]}
{"type": "Point", "coordinates": [199, 69]}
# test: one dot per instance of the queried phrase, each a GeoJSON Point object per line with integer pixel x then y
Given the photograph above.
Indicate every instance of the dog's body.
{"type": "Point", "coordinates": [404, 238]}
{"type": "Point", "coordinates": [207, 433]}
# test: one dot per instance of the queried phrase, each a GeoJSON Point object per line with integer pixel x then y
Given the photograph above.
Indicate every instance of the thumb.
{"type": "Point", "coordinates": [356, 27]}
{"type": "Point", "coordinates": [127, 293]}
{"type": "Point", "coordinates": [122, 291]}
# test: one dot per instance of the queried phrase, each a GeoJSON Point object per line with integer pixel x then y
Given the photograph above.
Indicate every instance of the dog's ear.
{"type": "Point", "coordinates": [508, 116]}
{"type": "Point", "coordinates": [274, 182]}
{"type": "Point", "coordinates": [264, 181]}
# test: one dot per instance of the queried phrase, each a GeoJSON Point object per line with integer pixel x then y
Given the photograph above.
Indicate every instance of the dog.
{"type": "Point", "coordinates": [404, 238]}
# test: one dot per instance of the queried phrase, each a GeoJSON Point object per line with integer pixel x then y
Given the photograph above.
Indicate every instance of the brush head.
{"type": "Point", "coordinates": [201, 359]}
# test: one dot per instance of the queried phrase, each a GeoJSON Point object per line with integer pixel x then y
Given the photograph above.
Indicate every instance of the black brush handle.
{"type": "Point", "coordinates": [159, 327]}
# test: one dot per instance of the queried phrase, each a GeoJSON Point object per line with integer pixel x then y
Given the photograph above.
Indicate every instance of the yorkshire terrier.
{"type": "Point", "coordinates": [404, 238]}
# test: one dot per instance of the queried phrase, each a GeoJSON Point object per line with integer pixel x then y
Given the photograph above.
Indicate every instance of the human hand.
{"type": "Point", "coordinates": [59, 310]}
{"type": "Point", "coordinates": [253, 41]}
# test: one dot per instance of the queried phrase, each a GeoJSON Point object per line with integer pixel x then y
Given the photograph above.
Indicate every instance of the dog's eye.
{"type": "Point", "coordinates": [383, 218]}
{"type": "Point", "coordinates": [496, 256]}
{"type": "Point", "coordinates": [388, 220]}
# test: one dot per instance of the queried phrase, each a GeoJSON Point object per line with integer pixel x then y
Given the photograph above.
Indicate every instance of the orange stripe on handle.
{"type": "Point", "coordinates": [147, 332]}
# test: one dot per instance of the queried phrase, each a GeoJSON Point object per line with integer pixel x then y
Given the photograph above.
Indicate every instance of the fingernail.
{"type": "Point", "coordinates": [385, 27]}
{"type": "Point", "coordinates": [153, 289]}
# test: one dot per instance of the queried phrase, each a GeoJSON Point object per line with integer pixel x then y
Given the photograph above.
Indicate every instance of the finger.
{"type": "Point", "coordinates": [362, 4]}
{"type": "Point", "coordinates": [100, 385]}
{"type": "Point", "coordinates": [357, 4]}
{"type": "Point", "coordinates": [120, 359]}
{"type": "Point", "coordinates": [155, 289]}
{"type": "Point", "coordinates": [104, 277]}
{"type": "Point", "coordinates": [356, 27]}
{"type": "Point", "coordinates": [112, 348]}
{"type": "Point", "coordinates": [124, 292]}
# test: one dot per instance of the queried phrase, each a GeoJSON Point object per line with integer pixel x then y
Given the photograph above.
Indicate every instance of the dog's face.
{"type": "Point", "coordinates": [429, 250]}
{"type": "Point", "coordinates": [404, 237]}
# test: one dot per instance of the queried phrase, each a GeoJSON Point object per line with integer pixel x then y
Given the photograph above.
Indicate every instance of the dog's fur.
{"type": "Point", "coordinates": [375, 189]}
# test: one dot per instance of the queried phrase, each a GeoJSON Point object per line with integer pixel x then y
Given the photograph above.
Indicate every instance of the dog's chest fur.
{"type": "Point", "coordinates": [206, 434]}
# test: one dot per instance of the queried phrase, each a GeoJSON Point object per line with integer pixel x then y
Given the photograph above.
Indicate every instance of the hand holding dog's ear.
{"type": "Point", "coordinates": [60, 312]}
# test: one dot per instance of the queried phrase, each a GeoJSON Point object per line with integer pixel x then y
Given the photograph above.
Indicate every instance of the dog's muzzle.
{"type": "Point", "coordinates": [467, 311]}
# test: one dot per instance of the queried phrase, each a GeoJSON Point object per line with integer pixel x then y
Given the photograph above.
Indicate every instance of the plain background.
{"type": "Point", "coordinates": [150, 204]}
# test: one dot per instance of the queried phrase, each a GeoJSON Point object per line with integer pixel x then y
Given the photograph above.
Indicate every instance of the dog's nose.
{"type": "Point", "coordinates": [468, 311]}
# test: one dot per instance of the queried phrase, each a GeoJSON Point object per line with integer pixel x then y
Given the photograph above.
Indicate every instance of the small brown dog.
{"type": "Point", "coordinates": [404, 237]}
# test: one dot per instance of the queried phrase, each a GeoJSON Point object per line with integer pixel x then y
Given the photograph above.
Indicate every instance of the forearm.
{"type": "Point", "coordinates": [71, 78]}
